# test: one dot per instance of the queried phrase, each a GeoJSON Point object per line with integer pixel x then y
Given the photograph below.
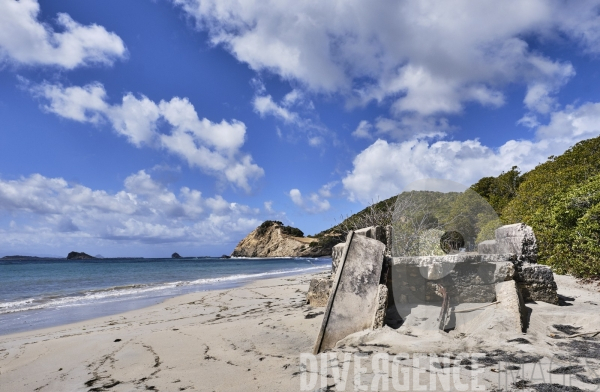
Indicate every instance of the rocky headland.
{"type": "Point", "coordinates": [273, 239]}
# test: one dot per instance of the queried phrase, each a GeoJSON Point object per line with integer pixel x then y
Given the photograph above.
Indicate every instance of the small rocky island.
{"type": "Point", "coordinates": [274, 239]}
{"type": "Point", "coordinates": [79, 256]}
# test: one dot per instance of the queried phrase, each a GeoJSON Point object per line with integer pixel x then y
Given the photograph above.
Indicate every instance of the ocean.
{"type": "Point", "coordinates": [44, 293]}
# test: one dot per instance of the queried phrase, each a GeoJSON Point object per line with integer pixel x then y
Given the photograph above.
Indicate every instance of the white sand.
{"type": "Point", "coordinates": [247, 338]}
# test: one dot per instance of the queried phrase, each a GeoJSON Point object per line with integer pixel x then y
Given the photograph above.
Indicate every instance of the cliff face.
{"type": "Point", "coordinates": [272, 242]}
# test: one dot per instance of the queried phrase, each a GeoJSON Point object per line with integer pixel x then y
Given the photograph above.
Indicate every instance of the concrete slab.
{"type": "Point", "coordinates": [519, 239]}
{"type": "Point", "coordinates": [352, 302]}
{"type": "Point", "coordinates": [510, 300]}
{"type": "Point", "coordinates": [504, 317]}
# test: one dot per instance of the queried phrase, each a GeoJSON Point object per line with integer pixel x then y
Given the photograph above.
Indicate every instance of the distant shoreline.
{"type": "Point", "coordinates": [30, 258]}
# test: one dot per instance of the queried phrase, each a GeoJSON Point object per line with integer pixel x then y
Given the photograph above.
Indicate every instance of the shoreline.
{"type": "Point", "coordinates": [193, 341]}
{"type": "Point", "coordinates": [49, 311]}
{"type": "Point", "coordinates": [150, 308]}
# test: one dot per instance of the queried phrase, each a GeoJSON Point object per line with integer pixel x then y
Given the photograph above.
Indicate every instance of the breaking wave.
{"type": "Point", "coordinates": [134, 291]}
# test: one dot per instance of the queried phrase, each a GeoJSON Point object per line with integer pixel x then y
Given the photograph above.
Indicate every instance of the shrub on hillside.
{"type": "Point", "coordinates": [293, 231]}
{"type": "Point", "coordinates": [554, 177]}
{"type": "Point", "coordinates": [289, 230]}
{"type": "Point", "coordinates": [262, 229]}
{"type": "Point", "coordinates": [568, 231]}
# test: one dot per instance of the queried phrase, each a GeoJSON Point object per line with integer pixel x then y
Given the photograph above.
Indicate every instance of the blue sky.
{"type": "Point", "coordinates": [141, 128]}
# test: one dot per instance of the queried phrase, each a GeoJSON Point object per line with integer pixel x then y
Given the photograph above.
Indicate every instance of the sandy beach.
{"type": "Point", "coordinates": [251, 338]}
{"type": "Point", "coordinates": [246, 338]}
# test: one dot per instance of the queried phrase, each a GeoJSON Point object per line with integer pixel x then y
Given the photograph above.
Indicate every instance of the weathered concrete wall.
{"type": "Point", "coordinates": [352, 302]}
{"type": "Point", "coordinates": [535, 282]}
{"type": "Point", "coordinates": [467, 277]}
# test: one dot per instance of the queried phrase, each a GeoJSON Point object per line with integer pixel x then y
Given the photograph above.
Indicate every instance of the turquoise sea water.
{"type": "Point", "coordinates": [43, 293]}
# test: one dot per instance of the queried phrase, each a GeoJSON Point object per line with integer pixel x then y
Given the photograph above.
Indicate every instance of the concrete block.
{"type": "Point", "coordinates": [352, 302]}
{"type": "Point", "coordinates": [505, 318]}
{"type": "Point", "coordinates": [381, 306]}
{"type": "Point", "coordinates": [374, 232]}
{"type": "Point", "coordinates": [336, 255]}
{"type": "Point", "coordinates": [510, 300]}
{"type": "Point", "coordinates": [536, 283]}
{"type": "Point", "coordinates": [518, 239]}
{"type": "Point", "coordinates": [488, 247]}
{"type": "Point", "coordinates": [318, 292]}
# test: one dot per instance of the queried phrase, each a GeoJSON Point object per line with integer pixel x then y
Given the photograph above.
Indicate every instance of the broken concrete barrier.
{"type": "Point", "coordinates": [467, 277]}
{"type": "Point", "coordinates": [517, 239]}
{"type": "Point", "coordinates": [318, 292]}
{"type": "Point", "coordinates": [375, 232]}
{"type": "Point", "coordinates": [352, 302]}
{"type": "Point", "coordinates": [378, 233]}
{"type": "Point", "coordinates": [536, 283]}
{"type": "Point", "coordinates": [505, 317]}
{"type": "Point", "coordinates": [511, 301]}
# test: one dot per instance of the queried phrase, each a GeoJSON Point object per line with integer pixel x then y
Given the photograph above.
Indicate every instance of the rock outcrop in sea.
{"type": "Point", "coordinates": [273, 239]}
{"type": "Point", "coordinates": [79, 256]}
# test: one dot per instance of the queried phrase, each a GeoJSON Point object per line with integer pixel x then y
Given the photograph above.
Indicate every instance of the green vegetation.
{"type": "Point", "coordinates": [568, 231]}
{"type": "Point", "coordinates": [499, 191]}
{"type": "Point", "coordinates": [289, 230]}
{"type": "Point", "coordinates": [560, 199]}
{"type": "Point", "coordinates": [293, 231]}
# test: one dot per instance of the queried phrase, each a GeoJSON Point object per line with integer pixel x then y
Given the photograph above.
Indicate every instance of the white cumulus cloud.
{"type": "Point", "coordinates": [52, 211]}
{"type": "Point", "coordinates": [385, 169]}
{"type": "Point", "coordinates": [363, 130]}
{"type": "Point", "coordinates": [264, 105]}
{"type": "Point", "coordinates": [312, 204]}
{"type": "Point", "coordinates": [24, 39]}
{"type": "Point", "coordinates": [423, 57]}
{"type": "Point", "coordinates": [213, 147]}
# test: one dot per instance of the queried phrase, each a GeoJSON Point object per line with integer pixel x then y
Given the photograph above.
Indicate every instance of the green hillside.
{"type": "Point", "coordinates": [413, 213]}
{"type": "Point", "coordinates": [560, 199]}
